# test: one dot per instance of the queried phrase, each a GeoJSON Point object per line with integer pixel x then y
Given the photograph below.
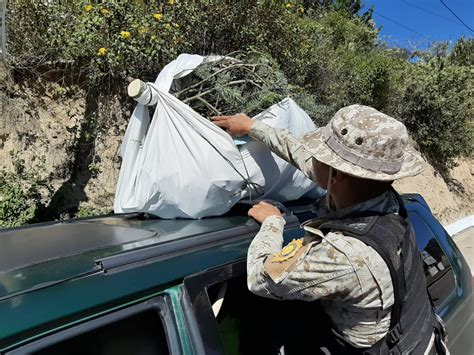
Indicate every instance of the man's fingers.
{"type": "Point", "coordinates": [265, 204]}
{"type": "Point", "coordinates": [222, 123]}
{"type": "Point", "coordinates": [222, 118]}
{"type": "Point", "coordinates": [255, 207]}
{"type": "Point", "coordinates": [251, 212]}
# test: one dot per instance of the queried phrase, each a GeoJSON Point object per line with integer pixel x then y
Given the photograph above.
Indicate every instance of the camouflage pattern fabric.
{"type": "Point", "coordinates": [361, 141]}
{"type": "Point", "coordinates": [349, 277]}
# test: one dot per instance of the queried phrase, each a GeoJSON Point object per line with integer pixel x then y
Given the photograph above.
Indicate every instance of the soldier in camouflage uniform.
{"type": "Point", "coordinates": [345, 259]}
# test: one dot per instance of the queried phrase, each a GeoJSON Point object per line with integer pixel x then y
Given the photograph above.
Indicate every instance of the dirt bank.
{"type": "Point", "coordinates": [448, 206]}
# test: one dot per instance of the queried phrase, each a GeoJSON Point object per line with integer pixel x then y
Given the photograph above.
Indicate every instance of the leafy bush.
{"type": "Point", "coordinates": [19, 197]}
{"type": "Point", "coordinates": [463, 52]}
{"type": "Point", "coordinates": [107, 39]}
{"type": "Point", "coordinates": [118, 38]}
{"type": "Point", "coordinates": [363, 79]}
{"type": "Point", "coordinates": [88, 211]}
{"type": "Point", "coordinates": [436, 105]}
{"type": "Point", "coordinates": [16, 208]}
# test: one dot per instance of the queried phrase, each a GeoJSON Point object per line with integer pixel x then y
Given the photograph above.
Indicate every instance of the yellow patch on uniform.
{"type": "Point", "coordinates": [283, 262]}
{"type": "Point", "coordinates": [289, 251]}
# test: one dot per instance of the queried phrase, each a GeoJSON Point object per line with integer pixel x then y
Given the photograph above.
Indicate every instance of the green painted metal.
{"type": "Point", "coordinates": [20, 280]}
{"type": "Point", "coordinates": [186, 345]}
{"type": "Point", "coordinates": [42, 299]}
{"type": "Point", "coordinates": [174, 294]}
{"type": "Point", "coordinates": [24, 315]}
{"type": "Point", "coordinates": [91, 292]}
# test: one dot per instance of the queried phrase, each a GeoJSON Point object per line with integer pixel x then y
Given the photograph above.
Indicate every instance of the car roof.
{"type": "Point", "coordinates": [48, 252]}
{"type": "Point", "coordinates": [26, 247]}
{"type": "Point", "coordinates": [57, 272]}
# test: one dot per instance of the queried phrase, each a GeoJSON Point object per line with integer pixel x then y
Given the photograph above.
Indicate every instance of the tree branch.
{"type": "Point", "coordinates": [233, 66]}
{"type": "Point", "coordinates": [231, 83]}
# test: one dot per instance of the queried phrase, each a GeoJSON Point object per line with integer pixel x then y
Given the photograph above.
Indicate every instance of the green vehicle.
{"type": "Point", "coordinates": [135, 284]}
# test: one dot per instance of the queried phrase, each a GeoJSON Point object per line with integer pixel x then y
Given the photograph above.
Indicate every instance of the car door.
{"type": "Point", "coordinates": [448, 280]}
{"type": "Point", "coordinates": [146, 328]}
{"type": "Point", "coordinates": [232, 320]}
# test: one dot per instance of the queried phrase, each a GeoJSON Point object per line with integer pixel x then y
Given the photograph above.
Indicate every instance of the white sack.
{"type": "Point", "coordinates": [282, 181]}
{"type": "Point", "coordinates": [183, 166]}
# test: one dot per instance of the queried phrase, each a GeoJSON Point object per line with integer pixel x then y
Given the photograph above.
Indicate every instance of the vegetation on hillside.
{"type": "Point", "coordinates": [328, 50]}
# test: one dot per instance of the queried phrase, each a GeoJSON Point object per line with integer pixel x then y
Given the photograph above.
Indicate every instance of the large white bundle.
{"type": "Point", "coordinates": [282, 181]}
{"type": "Point", "coordinates": [183, 166]}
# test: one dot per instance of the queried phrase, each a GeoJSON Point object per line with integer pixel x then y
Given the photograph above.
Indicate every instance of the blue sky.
{"type": "Point", "coordinates": [415, 23]}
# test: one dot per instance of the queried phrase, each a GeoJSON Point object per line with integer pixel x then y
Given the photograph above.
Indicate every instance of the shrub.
{"type": "Point", "coordinates": [436, 105]}
{"type": "Point", "coordinates": [19, 197]}
{"type": "Point", "coordinates": [16, 208]}
{"type": "Point", "coordinates": [107, 39]}
{"type": "Point", "coordinates": [365, 79]}
{"type": "Point", "coordinates": [89, 211]}
{"type": "Point", "coordinates": [463, 52]}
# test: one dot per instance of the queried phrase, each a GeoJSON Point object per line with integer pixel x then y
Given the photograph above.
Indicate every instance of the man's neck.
{"type": "Point", "coordinates": [352, 194]}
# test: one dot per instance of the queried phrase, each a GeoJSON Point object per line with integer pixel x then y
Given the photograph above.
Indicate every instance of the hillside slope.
{"type": "Point", "coordinates": [47, 135]}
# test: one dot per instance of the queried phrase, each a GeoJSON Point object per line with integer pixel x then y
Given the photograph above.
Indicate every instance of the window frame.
{"type": "Point", "coordinates": [428, 224]}
{"type": "Point", "coordinates": [197, 305]}
{"type": "Point", "coordinates": [161, 305]}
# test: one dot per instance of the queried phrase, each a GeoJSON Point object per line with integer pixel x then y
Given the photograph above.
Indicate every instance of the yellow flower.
{"type": "Point", "coordinates": [158, 16]}
{"type": "Point", "coordinates": [125, 34]}
{"type": "Point", "coordinates": [301, 10]}
{"type": "Point", "coordinates": [289, 5]}
{"type": "Point", "coordinates": [104, 12]}
{"type": "Point", "coordinates": [102, 52]}
{"type": "Point", "coordinates": [88, 8]}
{"type": "Point", "coordinates": [168, 26]}
{"type": "Point", "coordinates": [171, 2]}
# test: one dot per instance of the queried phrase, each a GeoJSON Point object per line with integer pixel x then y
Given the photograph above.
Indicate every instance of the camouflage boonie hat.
{"type": "Point", "coordinates": [363, 142]}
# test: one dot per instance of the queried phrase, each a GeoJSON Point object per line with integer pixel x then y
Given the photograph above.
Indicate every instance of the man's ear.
{"type": "Point", "coordinates": [337, 175]}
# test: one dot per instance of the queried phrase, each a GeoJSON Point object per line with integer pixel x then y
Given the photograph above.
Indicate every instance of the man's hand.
{"type": "Point", "coordinates": [263, 210]}
{"type": "Point", "coordinates": [236, 125]}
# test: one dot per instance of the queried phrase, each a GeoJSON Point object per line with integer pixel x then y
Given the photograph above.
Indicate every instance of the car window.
{"type": "Point", "coordinates": [438, 271]}
{"type": "Point", "coordinates": [139, 334]}
{"type": "Point", "coordinates": [251, 324]}
{"type": "Point", "coordinates": [245, 323]}
{"type": "Point", "coordinates": [145, 328]}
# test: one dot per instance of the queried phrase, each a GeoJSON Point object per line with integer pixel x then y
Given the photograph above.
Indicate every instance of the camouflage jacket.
{"type": "Point", "coordinates": [349, 277]}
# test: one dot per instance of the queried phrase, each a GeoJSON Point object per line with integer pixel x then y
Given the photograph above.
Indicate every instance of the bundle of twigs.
{"type": "Point", "coordinates": [247, 82]}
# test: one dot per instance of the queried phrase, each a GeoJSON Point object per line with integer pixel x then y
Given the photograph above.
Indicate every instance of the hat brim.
{"type": "Point", "coordinates": [413, 163]}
